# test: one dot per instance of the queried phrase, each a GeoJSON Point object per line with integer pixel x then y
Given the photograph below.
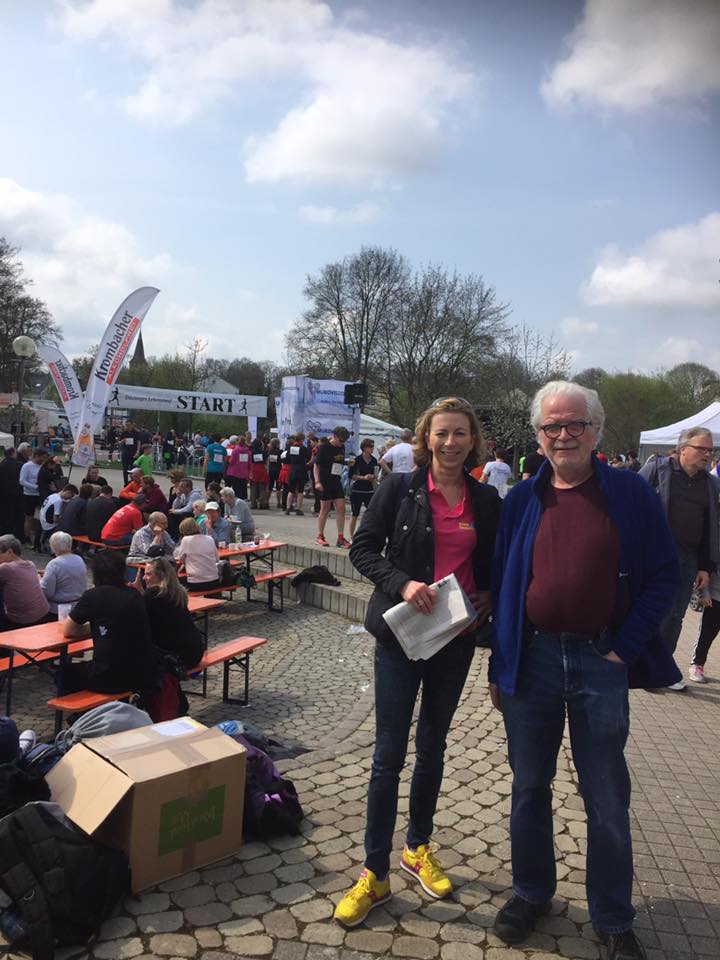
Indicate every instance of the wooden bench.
{"type": "Point", "coordinates": [231, 653]}
{"type": "Point", "coordinates": [273, 579]}
{"type": "Point", "coordinates": [85, 539]}
{"type": "Point", "coordinates": [81, 702]}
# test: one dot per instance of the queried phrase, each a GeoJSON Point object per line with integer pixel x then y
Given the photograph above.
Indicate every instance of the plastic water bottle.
{"type": "Point", "coordinates": [12, 926]}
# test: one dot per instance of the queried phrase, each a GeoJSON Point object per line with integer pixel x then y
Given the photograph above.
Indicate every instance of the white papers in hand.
{"type": "Point", "coordinates": [420, 635]}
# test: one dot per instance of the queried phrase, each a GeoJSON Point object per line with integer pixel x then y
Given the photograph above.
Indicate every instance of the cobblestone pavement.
{"type": "Point", "coordinates": [311, 687]}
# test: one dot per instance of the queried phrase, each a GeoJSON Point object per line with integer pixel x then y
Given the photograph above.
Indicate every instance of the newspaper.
{"type": "Point", "coordinates": [420, 635]}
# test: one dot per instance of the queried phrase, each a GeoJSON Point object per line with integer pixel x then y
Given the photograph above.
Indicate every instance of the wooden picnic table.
{"type": "Point", "coordinates": [32, 642]}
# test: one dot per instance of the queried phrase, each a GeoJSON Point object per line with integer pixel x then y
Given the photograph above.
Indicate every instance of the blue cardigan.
{"type": "Point", "coordinates": [648, 581]}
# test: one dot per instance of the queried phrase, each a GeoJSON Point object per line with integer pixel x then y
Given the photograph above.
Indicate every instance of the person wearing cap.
{"type": "Point", "coordinates": [216, 525]}
{"type": "Point", "coordinates": [119, 530]}
{"type": "Point", "coordinates": [134, 485]}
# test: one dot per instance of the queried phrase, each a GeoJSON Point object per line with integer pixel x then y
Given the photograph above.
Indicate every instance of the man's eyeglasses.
{"type": "Point", "coordinates": [574, 428]}
{"type": "Point", "coordinates": [707, 450]}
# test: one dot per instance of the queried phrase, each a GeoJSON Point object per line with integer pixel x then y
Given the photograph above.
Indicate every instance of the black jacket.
{"type": "Point", "coordinates": [395, 541]}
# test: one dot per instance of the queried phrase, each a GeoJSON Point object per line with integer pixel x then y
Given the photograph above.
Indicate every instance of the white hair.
{"type": "Point", "coordinates": [691, 434]}
{"type": "Point", "coordinates": [557, 388]}
{"type": "Point", "coordinates": [60, 542]}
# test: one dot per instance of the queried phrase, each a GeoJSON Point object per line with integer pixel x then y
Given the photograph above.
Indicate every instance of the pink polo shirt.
{"type": "Point", "coordinates": [455, 537]}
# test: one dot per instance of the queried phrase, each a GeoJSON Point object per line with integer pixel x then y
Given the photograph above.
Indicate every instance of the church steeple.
{"type": "Point", "coordinates": [138, 357]}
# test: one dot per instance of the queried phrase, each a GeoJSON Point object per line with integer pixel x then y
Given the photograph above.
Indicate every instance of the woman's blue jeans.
{"type": "Point", "coordinates": [562, 673]}
{"type": "Point", "coordinates": [397, 682]}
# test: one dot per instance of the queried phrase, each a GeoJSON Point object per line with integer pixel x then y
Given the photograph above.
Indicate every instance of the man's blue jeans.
{"type": "Point", "coordinates": [397, 681]}
{"type": "Point", "coordinates": [559, 673]}
{"type": "Point", "coordinates": [672, 622]}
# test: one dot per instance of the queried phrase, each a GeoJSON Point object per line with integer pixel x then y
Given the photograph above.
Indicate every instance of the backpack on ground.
{"type": "Point", "coordinates": [272, 808]}
{"type": "Point", "coordinates": [41, 758]}
{"type": "Point", "coordinates": [167, 703]}
{"type": "Point", "coordinates": [62, 885]}
{"type": "Point", "coordinates": [113, 717]}
{"type": "Point", "coordinates": [18, 787]}
{"type": "Point", "coordinates": [226, 573]}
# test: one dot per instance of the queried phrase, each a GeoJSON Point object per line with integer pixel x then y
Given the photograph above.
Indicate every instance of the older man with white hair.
{"type": "Point", "coordinates": [64, 579]}
{"type": "Point", "coordinates": [689, 495]}
{"type": "Point", "coordinates": [585, 571]}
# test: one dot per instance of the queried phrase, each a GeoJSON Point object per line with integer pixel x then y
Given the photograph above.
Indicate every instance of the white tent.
{"type": "Point", "coordinates": [6, 440]}
{"type": "Point", "coordinates": [377, 430]}
{"type": "Point", "coordinates": [664, 438]}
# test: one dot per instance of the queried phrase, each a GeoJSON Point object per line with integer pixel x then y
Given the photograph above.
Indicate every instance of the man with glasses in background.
{"type": "Point", "coordinates": [585, 569]}
{"type": "Point", "coordinates": [689, 495]}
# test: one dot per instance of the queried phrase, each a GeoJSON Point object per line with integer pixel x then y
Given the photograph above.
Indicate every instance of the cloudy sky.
{"type": "Point", "coordinates": [567, 150]}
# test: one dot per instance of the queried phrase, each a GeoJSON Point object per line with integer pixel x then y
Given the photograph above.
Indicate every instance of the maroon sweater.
{"type": "Point", "coordinates": [576, 561]}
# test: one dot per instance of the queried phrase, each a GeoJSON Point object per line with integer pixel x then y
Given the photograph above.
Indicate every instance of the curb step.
{"type": "Point", "coordinates": [349, 600]}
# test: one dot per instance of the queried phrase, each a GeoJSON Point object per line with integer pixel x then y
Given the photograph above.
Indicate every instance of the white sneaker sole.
{"type": "Point", "coordinates": [428, 891]}
{"type": "Point", "coordinates": [362, 919]}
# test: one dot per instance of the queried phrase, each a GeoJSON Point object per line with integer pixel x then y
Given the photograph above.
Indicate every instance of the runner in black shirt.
{"type": "Point", "coordinates": [363, 480]}
{"type": "Point", "coordinates": [329, 462]}
{"type": "Point", "coordinates": [129, 449]}
{"type": "Point", "coordinates": [297, 456]}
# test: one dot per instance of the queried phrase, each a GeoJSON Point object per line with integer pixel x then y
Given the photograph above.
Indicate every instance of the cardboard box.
{"type": "Point", "coordinates": [170, 795]}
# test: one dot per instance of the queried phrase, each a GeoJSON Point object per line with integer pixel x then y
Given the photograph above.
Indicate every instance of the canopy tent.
{"type": "Point", "coordinates": [664, 439]}
{"type": "Point", "coordinates": [6, 440]}
{"type": "Point", "coordinates": [378, 430]}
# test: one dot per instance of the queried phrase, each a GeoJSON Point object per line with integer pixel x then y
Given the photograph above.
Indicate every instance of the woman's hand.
{"type": "Point", "coordinates": [419, 595]}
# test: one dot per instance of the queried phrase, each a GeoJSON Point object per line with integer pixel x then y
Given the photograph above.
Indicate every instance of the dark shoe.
{"type": "Point", "coordinates": [515, 921]}
{"type": "Point", "coordinates": [622, 946]}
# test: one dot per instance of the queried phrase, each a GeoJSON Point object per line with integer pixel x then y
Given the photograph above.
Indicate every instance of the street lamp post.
{"type": "Point", "coordinates": [24, 347]}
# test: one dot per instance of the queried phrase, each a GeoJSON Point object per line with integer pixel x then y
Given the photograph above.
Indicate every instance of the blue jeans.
{"type": "Point", "coordinates": [397, 681]}
{"type": "Point", "coordinates": [672, 622]}
{"type": "Point", "coordinates": [559, 673]}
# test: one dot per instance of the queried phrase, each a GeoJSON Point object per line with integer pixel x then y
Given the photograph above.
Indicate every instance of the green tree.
{"type": "Point", "coordinates": [633, 403]}
{"type": "Point", "coordinates": [697, 384]}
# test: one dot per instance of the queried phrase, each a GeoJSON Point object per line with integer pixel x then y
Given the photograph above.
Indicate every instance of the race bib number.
{"type": "Point", "coordinates": [273, 458]}
{"type": "Point", "coordinates": [218, 458]}
{"type": "Point", "coordinates": [243, 457]}
{"type": "Point", "coordinates": [129, 442]}
{"type": "Point", "coordinates": [336, 470]}
{"type": "Point", "coordinates": [294, 451]}
{"type": "Point", "coordinates": [257, 458]}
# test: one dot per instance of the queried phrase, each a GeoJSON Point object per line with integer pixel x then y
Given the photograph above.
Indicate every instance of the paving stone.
{"type": "Point", "coordinates": [241, 927]}
{"type": "Point", "coordinates": [207, 914]}
{"type": "Point", "coordinates": [173, 945]}
{"type": "Point", "coordinates": [461, 932]}
{"type": "Point", "coordinates": [251, 906]}
{"type": "Point", "coordinates": [463, 951]}
{"type": "Point", "coordinates": [369, 941]}
{"type": "Point", "coordinates": [418, 926]}
{"type": "Point", "coordinates": [290, 950]}
{"type": "Point", "coordinates": [504, 953]}
{"type": "Point", "coordinates": [329, 934]}
{"type": "Point", "coordinates": [181, 883]}
{"type": "Point", "coordinates": [193, 896]}
{"type": "Point", "coordinates": [259, 883]}
{"type": "Point", "coordinates": [417, 947]}
{"type": "Point", "coordinates": [281, 924]}
{"type": "Point", "coordinates": [208, 937]}
{"type": "Point", "coordinates": [312, 910]}
{"type": "Point", "coordinates": [255, 945]}
{"type": "Point", "coordinates": [292, 893]}
{"type": "Point", "coordinates": [578, 948]}
{"type": "Point", "coordinates": [165, 922]}
{"type": "Point", "coordinates": [119, 949]}
{"type": "Point", "coordinates": [117, 927]}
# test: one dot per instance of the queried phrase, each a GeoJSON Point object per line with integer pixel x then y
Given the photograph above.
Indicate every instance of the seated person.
{"type": "Point", "coordinates": [124, 657]}
{"type": "Point", "coordinates": [216, 525]}
{"type": "Point", "coordinates": [156, 499]}
{"type": "Point", "coordinates": [98, 512]}
{"type": "Point", "coordinates": [198, 513]}
{"type": "Point", "coordinates": [93, 476]}
{"type": "Point", "coordinates": [64, 579]}
{"type": "Point", "coordinates": [121, 526]}
{"type": "Point", "coordinates": [212, 491]}
{"type": "Point", "coordinates": [239, 510]}
{"type": "Point", "coordinates": [166, 601]}
{"type": "Point", "coordinates": [198, 554]}
{"type": "Point", "coordinates": [152, 540]}
{"type": "Point", "coordinates": [23, 602]}
{"type": "Point", "coordinates": [134, 485]}
{"type": "Point", "coordinates": [51, 510]}
{"type": "Point", "coordinates": [72, 518]}
{"type": "Point", "coordinates": [182, 504]}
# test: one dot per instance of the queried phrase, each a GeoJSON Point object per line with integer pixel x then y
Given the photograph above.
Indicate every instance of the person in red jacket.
{"type": "Point", "coordinates": [156, 500]}
{"type": "Point", "coordinates": [121, 526]}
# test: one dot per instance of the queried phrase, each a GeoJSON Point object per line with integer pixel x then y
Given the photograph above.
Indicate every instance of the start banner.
{"type": "Point", "coordinates": [186, 401]}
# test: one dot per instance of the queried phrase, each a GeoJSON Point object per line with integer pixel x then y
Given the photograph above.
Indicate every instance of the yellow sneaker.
{"type": "Point", "coordinates": [357, 903]}
{"type": "Point", "coordinates": [421, 863]}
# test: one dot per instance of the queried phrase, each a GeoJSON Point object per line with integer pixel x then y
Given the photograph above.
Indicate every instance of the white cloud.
{"type": "Point", "coordinates": [573, 326]}
{"type": "Point", "coordinates": [367, 109]}
{"type": "Point", "coordinates": [329, 216]}
{"type": "Point", "coordinates": [82, 265]}
{"type": "Point", "coordinates": [676, 268]}
{"type": "Point", "coordinates": [674, 350]}
{"type": "Point", "coordinates": [631, 54]}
